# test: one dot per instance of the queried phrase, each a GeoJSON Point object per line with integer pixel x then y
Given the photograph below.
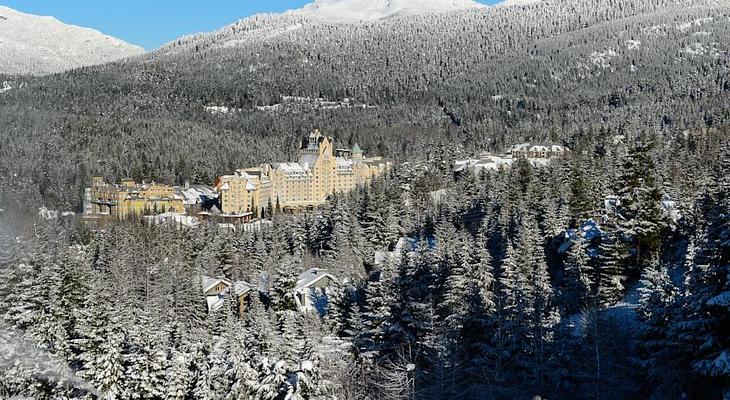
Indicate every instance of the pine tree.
{"type": "Point", "coordinates": [282, 292]}
{"type": "Point", "coordinates": [145, 359]}
{"type": "Point", "coordinates": [479, 322]}
{"type": "Point", "coordinates": [580, 200]}
{"type": "Point", "coordinates": [100, 345]}
{"type": "Point", "coordinates": [577, 285]}
{"type": "Point", "coordinates": [377, 313]}
{"type": "Point", "coordinates": [177, 377]}
{"type": "Point", "coordinates": [608, 272]}
{"type": "Point", "coordinates": [640, 209]}
{"type": "Point", "coordinates": [701, 327]}
{"type": "Point", "coordinates": [657, 294]}
{"type": "Point", "coordinates": [242, 375]}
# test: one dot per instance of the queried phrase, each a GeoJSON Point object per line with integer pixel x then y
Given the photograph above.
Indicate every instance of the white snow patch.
{"type": "Point", "coordinates": [633, 44]}
{"type": "Point", "coordinates": [307, 365]}
{"type": "Point", "coordinates": [517, 3]}
{"type": "Point", "coordinates": [262, 34]}
{"type": "Point", "coordinates": [6, 87]}
{"type": "Point", "coordinates": [289, 102]}
{"type": "Point", "coordinates": [47, 214]}
{"type": "Point", "coordinates": [348, 11]}
{"type": "Point", "coordinates": [696, 23]}
{"type": "Point", "coordinates": [656, 30]}
{"type": "Point", "coordinates": [221, 110]}
{"type": "Point", "coordinates": [698, 49]}
{"type": "Point", "coordinates": [603, 59]}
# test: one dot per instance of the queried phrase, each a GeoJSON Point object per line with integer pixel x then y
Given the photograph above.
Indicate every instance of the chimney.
{"type": "Point", "coordinates": [187, 185]}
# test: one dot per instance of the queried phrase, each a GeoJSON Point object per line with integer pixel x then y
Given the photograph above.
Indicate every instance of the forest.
{"type": "Point", "coordinates": [602, 275]}
{"type": "Point", "coordinates": [486, 301]}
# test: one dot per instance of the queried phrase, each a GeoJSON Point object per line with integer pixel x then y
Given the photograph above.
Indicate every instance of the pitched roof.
{"type": "Point", "coordinates": [210, 282]}
{"type": "Point", "coordinates": [312, 276]}
{"type": "Point", "coordinates": [356, 149]}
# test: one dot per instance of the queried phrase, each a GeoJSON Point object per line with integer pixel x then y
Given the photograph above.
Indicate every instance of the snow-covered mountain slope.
{"type": "Point", "coordinates": [35, 45]}
{"type": "Point", "coordinates": [369, 10]}
{"type": "Point", "coordinates": [510, 3]}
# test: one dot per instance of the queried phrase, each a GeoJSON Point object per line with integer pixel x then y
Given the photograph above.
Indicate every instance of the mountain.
{"type": "Point", "coordinates": [369, 10]}
{"type": "Point", "coordinates": [511, 3]}
{"type": "Point", "coordinates": [483, 79]}
{"type": "Point", "coordinates": [37, 45]}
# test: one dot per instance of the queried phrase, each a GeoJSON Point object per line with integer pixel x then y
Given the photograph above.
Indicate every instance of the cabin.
{"type": "Point", "coordinates": [313, 289]}
{"type": "Point", "coordinates": [216, 291]}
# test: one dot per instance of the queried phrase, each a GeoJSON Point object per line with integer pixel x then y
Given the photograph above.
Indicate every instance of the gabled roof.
{"type": "Point", "coordinates": [356, 149]}
{"type": "Point", "coordinates": [312, 276]}
{"type": "Point", "coordinates": [241, 287]}
{"type": "Point", "coordinates": [210, 282]}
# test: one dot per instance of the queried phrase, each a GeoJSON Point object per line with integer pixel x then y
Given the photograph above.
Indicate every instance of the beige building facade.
{"type": "Point", "coordinates": [320, 172]}
{"type": "Point", "coordinates": [130, 199]}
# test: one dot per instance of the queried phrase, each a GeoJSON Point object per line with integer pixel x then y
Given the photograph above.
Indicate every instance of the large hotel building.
{"type": "Point", "coordinates": [320, 171]}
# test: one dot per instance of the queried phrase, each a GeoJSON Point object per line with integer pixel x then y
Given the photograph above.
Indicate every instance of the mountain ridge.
{"type": "Point", "coordinates": [340, 11]}
{"type": "Point", "coordinates": [43, 45]}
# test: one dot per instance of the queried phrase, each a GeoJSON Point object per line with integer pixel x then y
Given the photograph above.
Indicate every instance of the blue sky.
{"type": "Point", "coordinates": [151, 23]}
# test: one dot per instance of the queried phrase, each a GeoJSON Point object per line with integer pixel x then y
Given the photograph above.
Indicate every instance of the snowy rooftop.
{"type": "Point", "coordinates": [291, 167]}
{"type": "Point", "coordinates": [173, 217]}
{"type": "Point", "coordinates": [192, 194]}
{"type": "Point", "coordinates": [344, 163]}
{"type": "Point", "coordinates": [308, 160]}
{"type": "Point", "coordinates": [209, 282]}
{"type": "Point", "coordinates": [311, 277]}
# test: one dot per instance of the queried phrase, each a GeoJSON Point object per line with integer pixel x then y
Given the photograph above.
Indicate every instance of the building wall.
{"type": "Point", "coordinates": [131, 199]}
{"type": "Point", "coordinates": [317, 175]}
{"type": "Point", "coordinates": [236, 198]}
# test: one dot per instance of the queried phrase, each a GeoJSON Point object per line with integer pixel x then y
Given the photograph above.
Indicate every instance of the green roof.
{"type": "Point", "coordinates": [356, 149]}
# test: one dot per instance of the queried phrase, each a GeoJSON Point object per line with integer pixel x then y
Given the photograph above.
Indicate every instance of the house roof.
{"type": "Point", "coordinates": [214, 303]}
{"type": "Point", "coordinates": [241, 287]}
{"type": "Point", "coordinates": [312, 276]}
{"type": "Point", "coordinates": [356, 149]}
{"type": "Point", "coordinates": [193, 194]}
{"type": "Point", "coordinates": [210, 282]}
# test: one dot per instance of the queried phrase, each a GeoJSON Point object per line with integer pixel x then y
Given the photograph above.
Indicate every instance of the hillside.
{"type": "Point", "coordinates": [505, 74]}
{"type": "Point", "coordinates": [35, 45]}
{"type": "Point", "coordinates": [369, 10]}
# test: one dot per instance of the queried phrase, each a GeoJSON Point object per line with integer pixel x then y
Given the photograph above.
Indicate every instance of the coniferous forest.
{"type": "Point", "coordinates": [603, 275]}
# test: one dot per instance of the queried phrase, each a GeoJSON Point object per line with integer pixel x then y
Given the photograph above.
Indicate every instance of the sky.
{"type": "Point", "coordinates": [152, 23]}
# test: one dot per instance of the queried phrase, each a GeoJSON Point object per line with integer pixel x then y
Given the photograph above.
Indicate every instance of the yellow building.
{"type": "Point", "coordinates": [320, 172]}
{"type": "Point", "coordinates": [246, 191]}
{"type": "Point", "coordinates": [130, 198]}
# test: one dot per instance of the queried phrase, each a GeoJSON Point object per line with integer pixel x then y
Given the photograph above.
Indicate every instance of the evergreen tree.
{"type": "Point", "coordinates": [99, 347]}
{"type": "Point", "coordinates": [608, 272]}
{"type": "Point", "coordinates": [577, 285]}
{"type": "Point", "coordinates": [178, 377]}
{"type": "Point", "coordinates": [657, 293]}
{"type": "Point", "coordinates": [640, 209]}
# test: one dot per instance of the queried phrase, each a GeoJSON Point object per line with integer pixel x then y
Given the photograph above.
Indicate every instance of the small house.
{"type": "Point", "coordinates": [313, 289]}
{"type": "Point", "coordinates": [217, 289]}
